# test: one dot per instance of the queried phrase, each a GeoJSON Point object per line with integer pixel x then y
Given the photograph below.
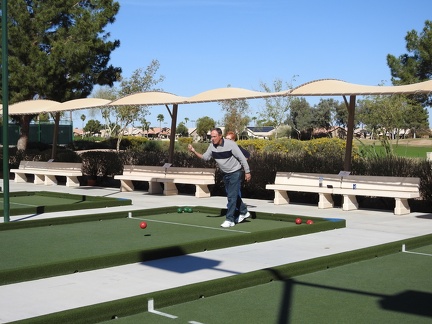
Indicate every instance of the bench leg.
{"type": "Point", "coordinates": [154, 188]}
{"type": "Point", "coordinates": [20, 177]}
{"type": "Point", "coordinates": [126, 185]}
{"type": "Point", "coordinates": [170, 189]}
{"type": "Point", "coordinates": [202, 191]}
{"type": "Point", "coordinates": [349, 202]}
{"type": "Point", "coordinates": [281, 197]}
{"type": "Point", "coordinates": [325, 201]}
{"type": "Point", "coordinates": [39, 179]}
{"type": "Point", "coordinates": [72, 182]}
{"type": "Point", "coordinates": [50, 180]}
{"type": "Point", "coordinates": [402, 207]}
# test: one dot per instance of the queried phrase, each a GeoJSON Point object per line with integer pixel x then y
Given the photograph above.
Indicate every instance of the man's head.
{"type": "Point", "coordinates": [216, 136]}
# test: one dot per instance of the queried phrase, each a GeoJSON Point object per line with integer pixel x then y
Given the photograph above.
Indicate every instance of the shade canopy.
{"type": "Point", "coordinates": [223, 94]}
{"type": "Point", "coordinates": [324, 87]}
{"type": "Point", "coordinates": [35, 107]}
{"type": "Point", "coordinates": [31, 107]}
{"type": "Point", "coordinates": [332, 87]}
{"type": "Point", "coordinates": [149, 98]}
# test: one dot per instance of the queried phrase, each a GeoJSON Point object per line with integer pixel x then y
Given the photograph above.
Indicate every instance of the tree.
{"type": "Point", "coordinates": [416, 65]}
{"type": "Point", "coordinates": [341, 114]}
{"type": "Point", "coordinates": [93, 126]}
{"type": "Point", "coordinates": [301, 116]}
{"type": "Point", "coordinates": [121, 117]}
{"type": "Point", "coordinates": [277, 109]}
{"type": "Point", "coordinates": [160, 118]}
{"type": "Point", "coordinates": [390, 114]}
{"type": "Point", "coordinates": [323, 114]}
{"type": "Point", "coordinates": [182, 130]}
{"type": "Point", "coordinates": [44, 117]}
{"type": "Point", "coordinates": [58, 50]}
{"type": "Point", "coordinates": [145, 125]}
{"type": "Point", "coordinates": [417, 118]}
{"type": "Point", "coordinates": [204, 125]}
{"type": "Point", "coordinates": [107, 112]}
{"type": "Point", "coordinates": [83, 118]}
{"type": "Point", "coordinates": [235, 118]}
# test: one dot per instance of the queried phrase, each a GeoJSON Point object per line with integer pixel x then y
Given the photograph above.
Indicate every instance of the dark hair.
{"type": "Point", "coordinates": [217, 129]}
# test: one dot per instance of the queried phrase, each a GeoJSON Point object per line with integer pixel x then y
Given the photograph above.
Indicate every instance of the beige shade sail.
{"type": "Point", "coordinates": [35, 107]}
{"type": "Point", "coordinates": [222, 94]}
{"type": "Point", "coordinates": [83, 103]}
{"type": "Point", "coordinates": [31, 107]}
{"type": "Point", "coordinates": [332, 87]}
{"type": "Point", "coordinates": [150, 98]}
{"type": "Point", "coordinates": [325, 87]}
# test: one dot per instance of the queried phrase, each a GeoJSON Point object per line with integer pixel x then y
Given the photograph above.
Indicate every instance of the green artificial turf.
{"type": "Point", "coordinates": [363, 286]}
{"type": "Point", "coordinates": [39, 202]}
{"type": "Point", "coordinates": [63, 245]}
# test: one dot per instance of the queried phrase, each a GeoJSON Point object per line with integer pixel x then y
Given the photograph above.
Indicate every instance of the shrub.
{"type": "Point", "coordinates": [66, 155]}
{"type": "Point", "coordinates": [133, 142]}
{"type": "Point", "coordinates": [322, 155]}
{"type": "Point", "coordinates": [185, 140]}
{"type": "Point", "coordinates": [152, 146]}
{"type": "Point", "coordinates": [423, 170]}
{"type": "Point", "coordinates": [101, 163]}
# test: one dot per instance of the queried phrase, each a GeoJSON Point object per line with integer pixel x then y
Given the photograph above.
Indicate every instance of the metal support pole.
{"type": "Point", "coordinates": [5, 94]}
{"type": "Point", "coordinates": [173, 133]}
{"type": "Point", "coordinates": [350, 133]}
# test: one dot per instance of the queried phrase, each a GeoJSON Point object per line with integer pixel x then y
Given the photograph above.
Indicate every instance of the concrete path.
{"type": "Point", "coordinates": [39, 297]}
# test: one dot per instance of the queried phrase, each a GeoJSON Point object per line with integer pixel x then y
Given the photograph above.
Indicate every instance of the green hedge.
{"type": "Point", "coordinates": [322, 155]}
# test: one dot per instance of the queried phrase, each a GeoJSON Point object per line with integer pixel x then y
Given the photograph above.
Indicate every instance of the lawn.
{"type": "Point", "coordinates": [414, 148]}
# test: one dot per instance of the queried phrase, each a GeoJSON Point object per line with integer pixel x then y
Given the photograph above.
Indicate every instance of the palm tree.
{"type": "Point", "coordinates": [254, 119]}
{"type": "Point", "coordinates": [145, 125]}
{"type": "Point", "coordinates": [160, 118]}
{"type": "Point", "coordinates": [83, 117]}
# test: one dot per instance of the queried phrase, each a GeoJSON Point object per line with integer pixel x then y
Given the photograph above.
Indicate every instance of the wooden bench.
{"type": "Point", "coordinates": [349, 186]}
{"type": "Point", "coordinates": [155, 175]}
{"type": "Point", "coordinates": [46, 172]}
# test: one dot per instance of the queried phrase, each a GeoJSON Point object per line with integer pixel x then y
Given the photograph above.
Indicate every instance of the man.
{"type": "Point", "coordinates": [230, 159]}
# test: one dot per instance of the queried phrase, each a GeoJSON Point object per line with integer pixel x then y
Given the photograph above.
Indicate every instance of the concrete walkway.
{"type": "Point", "coordinates": [364, 228]}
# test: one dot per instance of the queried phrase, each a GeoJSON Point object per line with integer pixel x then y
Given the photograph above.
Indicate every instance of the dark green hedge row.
{"type": "Point", "coordinates": [106, 164]}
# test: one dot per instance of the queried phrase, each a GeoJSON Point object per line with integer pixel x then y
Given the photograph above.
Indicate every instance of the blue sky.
{"type": "Point", "coordinates": [208, 44]}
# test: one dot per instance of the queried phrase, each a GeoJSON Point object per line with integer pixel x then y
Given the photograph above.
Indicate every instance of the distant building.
{"type": "Point", "coordinates": [263, 132]}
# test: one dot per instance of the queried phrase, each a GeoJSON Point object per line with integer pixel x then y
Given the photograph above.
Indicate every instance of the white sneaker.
{"type": "Point", "coordinates": [243, 217]}
{"type": "Point", "coordinates": [227, 223]}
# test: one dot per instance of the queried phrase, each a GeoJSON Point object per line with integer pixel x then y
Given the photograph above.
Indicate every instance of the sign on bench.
{"type": "Point", "coordinates": [169, 176]}
{"type": "Point", "coordinates": [349, 186]}
{"type": "Point", "coordinates": [46, 172]}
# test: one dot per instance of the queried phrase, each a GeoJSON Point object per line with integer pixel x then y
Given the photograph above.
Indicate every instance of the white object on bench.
{"type": "Point", "coordinates": [349, 186]}
{"type": "Point", "coordinates": [169, 176]}
{"type": "Point", "coordinates": [46, 172]}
